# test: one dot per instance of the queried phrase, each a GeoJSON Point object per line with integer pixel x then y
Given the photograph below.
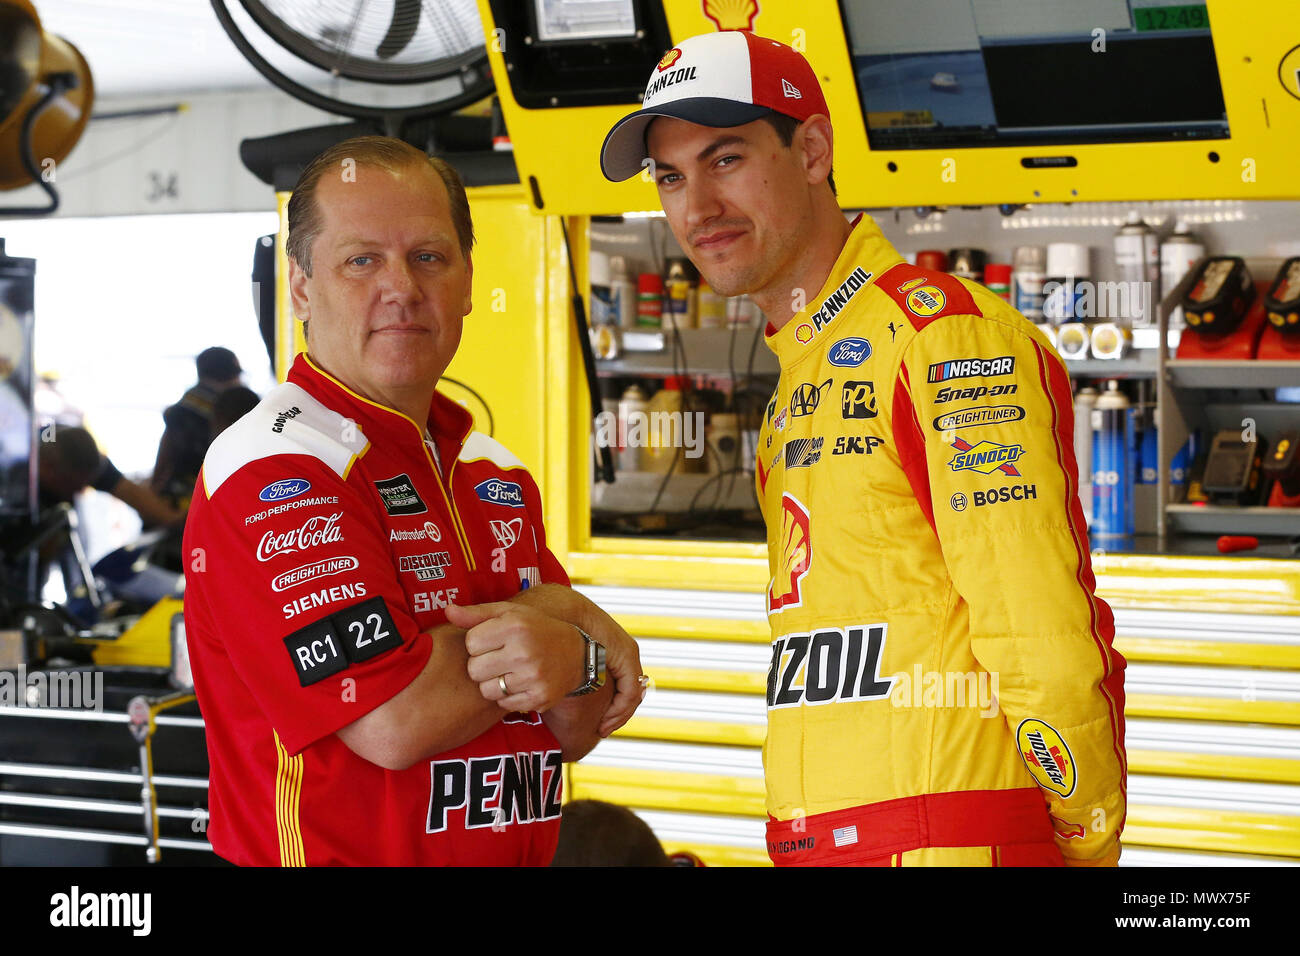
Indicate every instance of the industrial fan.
{"type": "Point", "coordinates": [46, 95]}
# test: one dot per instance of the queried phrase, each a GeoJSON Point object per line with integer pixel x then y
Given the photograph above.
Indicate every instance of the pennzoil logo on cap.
{"type": "Point", "coordinates": [731, 14]}
{"type": "Point", "coordinates": [1047, 756]}
{"type": "Point", "coordinates": [669, 59]}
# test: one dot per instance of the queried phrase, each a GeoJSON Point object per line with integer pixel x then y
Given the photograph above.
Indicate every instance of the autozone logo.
{"type": "Point", "coordinates": [972, 368]}
{"type": "Point", "coordinates": [828, 666]}
{"type": "Point", "coordinates": [496, 791]}
{"type": "Point", "coordinates": [314, 532]}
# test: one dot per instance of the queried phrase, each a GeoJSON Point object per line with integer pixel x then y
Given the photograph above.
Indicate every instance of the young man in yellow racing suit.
{"type": "Point", "coordinates": [943, 688]}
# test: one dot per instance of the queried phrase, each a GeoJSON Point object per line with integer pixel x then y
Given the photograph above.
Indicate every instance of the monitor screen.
{"type": "Point", "coordinates": [950, 74]}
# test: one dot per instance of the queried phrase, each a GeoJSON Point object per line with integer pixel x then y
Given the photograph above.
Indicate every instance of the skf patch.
{"type": "Point", "coordinates": [1047, 756]}
{"type": "Point", "coordinates": [986, 457]}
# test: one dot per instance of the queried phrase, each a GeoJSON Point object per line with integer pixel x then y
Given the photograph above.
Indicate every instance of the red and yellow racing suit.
{"type": "Point", "coordinates": [943, 689]}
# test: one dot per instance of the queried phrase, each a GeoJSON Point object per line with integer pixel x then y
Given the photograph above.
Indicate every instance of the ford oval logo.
{"type": "Point", "coordinates": [284, 489]}
{"type": "Point", "coordinates": [849, 353]}
{"type": "Point", "coordinates": [498, 492]}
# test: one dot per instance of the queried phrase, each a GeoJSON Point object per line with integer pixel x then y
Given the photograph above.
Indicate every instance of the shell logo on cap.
{"type": "Point", "coordinates": [1046, 755]}
{"type": "Point", "coordinates": [669, 59]}
{"type": "Point", "coordinates": [731, 14]}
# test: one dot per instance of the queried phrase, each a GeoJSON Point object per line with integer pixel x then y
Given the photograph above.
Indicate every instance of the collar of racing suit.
{"type": "Point", "coordinates": [449, 423]}
{"type": "Point", "coordinates": [865, 249]}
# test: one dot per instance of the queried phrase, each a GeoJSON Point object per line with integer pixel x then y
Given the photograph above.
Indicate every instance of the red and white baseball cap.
{"type": "Point", "coordinates": [720, 79]}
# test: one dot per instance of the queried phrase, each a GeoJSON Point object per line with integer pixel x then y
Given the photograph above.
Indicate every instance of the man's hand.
{"type": "Point", "coordinates": [520, 657]}
{"type": "Point", "coordinates": [622, 656]}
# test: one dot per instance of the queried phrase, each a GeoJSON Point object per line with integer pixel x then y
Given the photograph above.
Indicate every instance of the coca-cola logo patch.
{"type": "Point", "coordinates": [315, 531]}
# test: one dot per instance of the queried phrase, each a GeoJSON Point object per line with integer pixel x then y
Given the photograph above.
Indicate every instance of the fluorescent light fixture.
{"type": "Point", "coordinates": [584, 20]}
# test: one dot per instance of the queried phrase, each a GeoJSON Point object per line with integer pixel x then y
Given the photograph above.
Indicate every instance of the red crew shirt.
{"type": "Point", "coordinates": [322, 543]}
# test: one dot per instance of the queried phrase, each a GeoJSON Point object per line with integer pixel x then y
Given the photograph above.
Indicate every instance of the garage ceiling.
{"type": "Point", "coordinates": [137, 47]}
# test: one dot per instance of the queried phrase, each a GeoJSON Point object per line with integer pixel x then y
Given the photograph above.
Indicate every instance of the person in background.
{"type": "Point", "coordinates": [230, 406]}
{"type": "Point", "coordinates": [73, 462]}
{"type": "Point", "coordinates": [189, 429]}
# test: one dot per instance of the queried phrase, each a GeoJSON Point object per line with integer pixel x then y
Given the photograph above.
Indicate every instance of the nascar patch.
{"type": "Point", "coordinates": [971, 368]}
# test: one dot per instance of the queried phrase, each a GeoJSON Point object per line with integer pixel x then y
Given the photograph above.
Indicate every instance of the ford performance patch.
{"type": "Point", "coordinates": [497, 492]}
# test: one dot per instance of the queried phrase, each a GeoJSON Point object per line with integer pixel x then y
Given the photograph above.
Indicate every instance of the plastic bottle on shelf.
{"type": "Point", "coordinates": [1067, 267]}
{"type": "Point", "coordinates": [650, 301]}
{"type": "Point", "coordinates": [1028, 272]}
{"type": "Point", "coordinates": [680, 295]}
{"type": "Point", "coordinates": [712, 308]}
{"type": "Point", "coordinates": [665, 429]}
{"type": "Point", "coordinates": [631, 407]}
{"type": "Point", "coordinates": [604, 325]}
{"type": "Point", "coordinates": [622, 293]}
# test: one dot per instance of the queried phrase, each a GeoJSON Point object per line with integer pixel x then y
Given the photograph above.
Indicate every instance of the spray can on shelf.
{"type": "Point", "coordinates": [1067, 269]}
{"type": "Point", "coordinates": [622, 293]}
{"type": "Point", "coordinates": [650, 300]}
{"type": "Point", "coordinates": [1028, 272]}
{"type": "Point", "coordinates": [1148, 454]}
{"type": "Point", "coordinates": [1112, 465]}
{"type": "Point", "coordinates": [997, 276]}
{"type": "Point", "coordinates": [1084, 402]}
{"type": "Point", "coordinates": [712, 308]}
{"type": "Point", "coordinates": [1177, 255]}
{"type": "Point", "coordinates": [680, 295]}
{"type": "Point", "coordinates": [1137, 263]}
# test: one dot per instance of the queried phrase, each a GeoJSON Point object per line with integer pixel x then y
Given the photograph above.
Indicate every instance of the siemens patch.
{"type": "Point", "coordinates": [497, 492]}
{"type": "Point", "coordinates": [972, 368]}
{"type": "Point", "coordinates": [399, 496]}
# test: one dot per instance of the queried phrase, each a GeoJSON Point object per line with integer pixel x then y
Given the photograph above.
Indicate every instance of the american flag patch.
{"type": "Point", "coordinates": [529, 577]}
{"type": "Point", "coordinates": [845, 836]}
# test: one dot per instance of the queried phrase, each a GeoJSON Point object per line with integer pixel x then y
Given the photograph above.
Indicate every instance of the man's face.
{"type": "Point", "coordinates": [736, 198]}
{"type": "Point", "coordinates": [389, 287]}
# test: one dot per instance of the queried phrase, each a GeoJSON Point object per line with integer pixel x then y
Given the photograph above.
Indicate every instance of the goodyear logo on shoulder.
{"type": "Point", "coordinates": [986, 457]}
{"type": "Point", "coordinates": [1046, 755]}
